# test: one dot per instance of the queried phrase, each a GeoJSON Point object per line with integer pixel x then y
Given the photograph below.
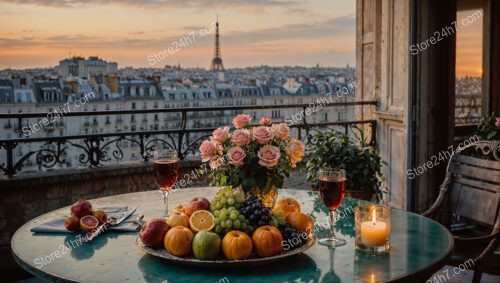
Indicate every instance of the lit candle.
{"type": "Point", "coordinates": [374, 232]}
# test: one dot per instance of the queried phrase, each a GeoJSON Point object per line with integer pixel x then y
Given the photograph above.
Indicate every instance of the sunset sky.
{"type": "Point", "coordinates": [39, 33]}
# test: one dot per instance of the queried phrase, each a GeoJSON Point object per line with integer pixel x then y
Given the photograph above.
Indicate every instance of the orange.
{"type": "Point", "coordinates": [300, 221]}
{"type": "Point", "coordinates": [202, 220]}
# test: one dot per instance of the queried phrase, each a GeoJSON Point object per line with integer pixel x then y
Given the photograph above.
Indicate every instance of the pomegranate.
{"type": "Point", "coordinates": [72, 223]}
{"type": "Point", "coordinates": [81, 208]}
{"type": "Point", "coordinates": [88, 223]}
{"type": "Point", "coordinates": [153, 233]}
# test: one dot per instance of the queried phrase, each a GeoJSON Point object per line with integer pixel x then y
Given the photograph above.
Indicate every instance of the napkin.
{"type": "Point", "coordinates": [56, 225]}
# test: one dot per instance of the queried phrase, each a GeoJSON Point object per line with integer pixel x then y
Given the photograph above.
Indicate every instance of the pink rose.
{"type": "Point", "coordinates": [269, 156]}
{"type": "Point", "coordinates": [265, 121]}
{"type": "Point", "coordinates": [209, 150]}
{"type": "Point", "coordinates": [241, 121]}
{"type": "Point", "coordinates": [295, 151]}
{"type": "Point", "coordinates": [497, 122]}
{"type": "Point", "coordinates": [236, 156]}
{"type": "Point", "coordinates": [216, 163]}
{"type": "Point", "coordinates": [221, 134]}
{"type": "Point", "coordinates": [281, 131]}
{"type": "Point", "coordinates": [241, 137]}
{"type": "Point", "coordinates": [262, 134]}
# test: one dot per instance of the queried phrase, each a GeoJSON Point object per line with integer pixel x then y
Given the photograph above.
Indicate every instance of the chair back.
{"type": "Point", "coordinates": [473, 177]}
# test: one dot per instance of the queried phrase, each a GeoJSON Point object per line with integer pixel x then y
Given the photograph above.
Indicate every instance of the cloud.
{"type": "Point", "coordinates": [160, 4]}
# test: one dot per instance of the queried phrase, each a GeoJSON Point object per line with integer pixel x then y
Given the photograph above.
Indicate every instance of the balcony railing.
{"type": "Point", "coordinates": [96, 149]}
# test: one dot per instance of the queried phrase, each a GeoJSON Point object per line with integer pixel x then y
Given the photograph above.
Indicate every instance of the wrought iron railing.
{"type": "Point", "coordinates": [97, 149]}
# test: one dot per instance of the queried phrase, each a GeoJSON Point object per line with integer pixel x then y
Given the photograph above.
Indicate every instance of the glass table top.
{"type": "Point", "coordinates": [419, 247]}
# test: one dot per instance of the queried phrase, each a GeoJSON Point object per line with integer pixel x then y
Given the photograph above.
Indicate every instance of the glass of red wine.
{"type": "Point", "coordinates": [331, 185]}
{"type": "Point", "coordinates": [166, 171]}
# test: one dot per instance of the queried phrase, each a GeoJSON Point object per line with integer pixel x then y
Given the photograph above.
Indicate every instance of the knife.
{"type": "Point", "coordinates": [112, 221]}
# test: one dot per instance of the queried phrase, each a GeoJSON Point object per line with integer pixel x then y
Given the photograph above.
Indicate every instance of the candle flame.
{"type": "Point", "coordinates": [374, 216]}
{"type": "Point", "coordinates": [373, 276]}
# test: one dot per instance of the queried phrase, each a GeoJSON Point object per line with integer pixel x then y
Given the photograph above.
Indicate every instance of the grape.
{"type": "Point", "coordinates": [217, 221]}
{"type": "Point", "coordinates": [230, 201]}
{"type": "Point", "coordinates": [224, 211]}
{"type": "Point", "coordinates": [229, 223]}
{"type": "Point", "coordinates": [218, 229]}
{"type": "Point", "coordinates": [223, 217]}
{"type": "Point", "coordinates": [223, 224]}
{"type": "Point", "coordinates": [244, 226]}
{"type": "Point", "coordinates": [231, 208]}
{"type": "Point", "coordinates": [237, 224]}
{"type": "Point", "coordinates": [241, 218]}
{"type": "Point", "coordinates": [223, 200]}
{"type": "Point", "coordinates": [233, 216]}
{"type": "Point", "coordinates": [217, 213]}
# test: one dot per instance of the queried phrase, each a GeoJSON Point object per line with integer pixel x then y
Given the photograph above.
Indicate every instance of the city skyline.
{"type": "Point", "coordinates": [270, 32]}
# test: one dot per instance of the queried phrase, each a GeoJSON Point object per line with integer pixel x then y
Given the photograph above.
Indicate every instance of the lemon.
{"type": "Point", "coordinates": [202, 220]}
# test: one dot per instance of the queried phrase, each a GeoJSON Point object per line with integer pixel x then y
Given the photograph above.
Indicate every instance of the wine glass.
{"type": "Point", "coordinates": [166, 171]}
{"type": "Point", "coordinates": [331, 185]}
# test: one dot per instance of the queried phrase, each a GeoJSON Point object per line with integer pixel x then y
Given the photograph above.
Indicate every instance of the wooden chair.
{"type": "Point", "coordinates": [469, 203]}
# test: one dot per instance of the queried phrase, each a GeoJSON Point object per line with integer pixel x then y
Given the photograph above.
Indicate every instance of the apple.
{"type": "Point", "coordinates": [81, 208]}
{"type": "Point", "coordinates": [153, 233]}
{"type": "Point", "coordinates": [198, 203]}
{"type": "Point", "coordinates": [178, 219]}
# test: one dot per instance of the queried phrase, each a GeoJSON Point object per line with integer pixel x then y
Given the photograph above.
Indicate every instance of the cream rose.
{"type": "Point", "coordinates": [269, 156]}
{"type": "Point", "coordinates": [216, 163]}
{"type": "Point", "coordinates": [236, 156]}
{"type": "Point", "coordinates": [241, 137]}
{"type": "Point", "coordinates": [241, 121]}
{"type": "Point", "coordinates": [221, 134]}
{"type": "Point", "coordinates": [295, 151]}
{"type": "Point", "coordinates": [281, 131]}
{"type": "Point", "coordinates": [262, 134]}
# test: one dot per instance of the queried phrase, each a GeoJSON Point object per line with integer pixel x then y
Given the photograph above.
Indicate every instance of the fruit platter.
{"type": "Point", "coordinates": [230, 230]}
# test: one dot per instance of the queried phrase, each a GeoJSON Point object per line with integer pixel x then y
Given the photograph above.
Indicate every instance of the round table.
{"type": "Point", "coordinates": [419, 247]}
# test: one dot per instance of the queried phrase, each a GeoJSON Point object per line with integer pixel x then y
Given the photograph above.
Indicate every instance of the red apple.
{"type": "Point", "coordinates": [198, 203]}
{"type": "Point", "coordinates": [81, 208]}
{"type": "Point", "coordinates": [153, 233]}
{"type": "Point", "coordinates": [72, 223]}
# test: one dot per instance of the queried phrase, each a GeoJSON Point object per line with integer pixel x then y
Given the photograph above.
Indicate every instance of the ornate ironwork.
{"type": "Point", "coordinates": [95, 150]}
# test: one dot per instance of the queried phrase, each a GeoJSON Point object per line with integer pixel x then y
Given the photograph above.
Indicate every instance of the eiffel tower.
{"type": "Point", "coordinates": [217, 60]}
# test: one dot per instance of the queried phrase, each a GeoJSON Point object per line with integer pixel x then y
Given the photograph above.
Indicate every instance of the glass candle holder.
{"type": "Point", "coordinates": [373, 228]}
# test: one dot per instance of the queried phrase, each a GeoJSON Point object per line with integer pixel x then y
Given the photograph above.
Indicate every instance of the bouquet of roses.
{"type": "Point", "coordinates": [251, 156]}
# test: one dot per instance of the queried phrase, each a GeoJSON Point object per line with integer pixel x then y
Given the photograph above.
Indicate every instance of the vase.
{"type": "Point", "coordinates": [268, 199]}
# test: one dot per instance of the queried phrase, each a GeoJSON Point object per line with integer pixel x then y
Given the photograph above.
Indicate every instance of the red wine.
{"type": "Point", "coordinates": [166, 172]}
{"type": "Point", "coordinates": [332, 190]}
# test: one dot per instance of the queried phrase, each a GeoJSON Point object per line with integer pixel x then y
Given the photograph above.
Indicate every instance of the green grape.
{"type": "Point", "coordinates": [233, 216]}
{"type": "Point", "coordinates": [218, 229]}
{"type": "Point", "coordinates": [230, 201]}
{"type": "Point", "coordinates": [227, 194]}
{"type": "Point", "coordinates": [223, 216]}
{"type": "Point", "coordinates": [244, 226]}
{"type": "Point", "coordinates": [241, 217]}
{"type": "Point", "coordinates": [281, 221]}
{"type": "Point", "coordinates": [227, 230]}
{"type": "Point", "coordinates": [274, 222]}
{"type": "Point", "coordinates": [217, 221]}
{"type": "Point", "coordinates": [223, 224]}
{"type": "Point", "coordinates": [231, 208]}
{"type": "Point", "coordinates": [223, 200]}
{"type": "Point", "coordinates": [236, 224]}
{"type": "Point", "coordinates": [229, 223]}
{"type": "Point", "coordinates": [224, 211]}
{"type": "Point", "coordinates": [217, 213]}
{"type": "Point", "coordinates": [250, 229]}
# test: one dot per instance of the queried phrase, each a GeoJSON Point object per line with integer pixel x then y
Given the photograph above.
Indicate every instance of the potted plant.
{"type": "Point", "coordinates": [488, 128]}
{"type": "Point", "coordinates": [255, 158]}
{"type": "Point", "coordinates": [361, 162]}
